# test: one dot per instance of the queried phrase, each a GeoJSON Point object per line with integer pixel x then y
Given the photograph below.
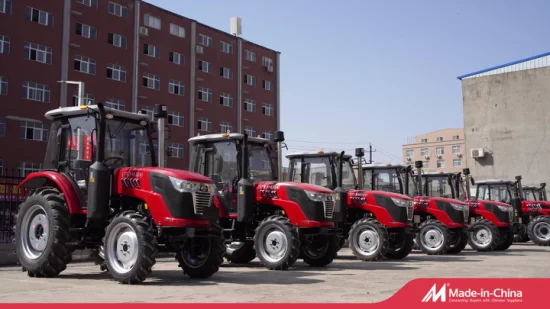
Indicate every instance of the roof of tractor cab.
{"type": "Point", "coordinates": [316, 154]}
{"type": "Point", "coordinates": [493, 181]}
{"type": "Point", "coordinates": [226, 136]}
{"type": "Point", "coordinates": [83, 110]}
{"type": "Point", "coordinates": [381, 165]}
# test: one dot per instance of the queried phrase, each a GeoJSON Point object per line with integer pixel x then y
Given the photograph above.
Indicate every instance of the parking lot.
{"type": "Point", "coordinates": [346, 280]}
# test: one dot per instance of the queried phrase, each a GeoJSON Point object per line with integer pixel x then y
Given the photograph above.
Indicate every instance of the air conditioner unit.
{"type": "Point", "coordinates": [409, 158]}
{"type": "Point", "coordinates": [477, 153]}
{"type": "Point", "coordinates": [199, 49]}
{"type": "Point", "coordinates": [143, 31]}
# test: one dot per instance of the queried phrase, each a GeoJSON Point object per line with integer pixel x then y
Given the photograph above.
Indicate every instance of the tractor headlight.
{"type": "Point", "coordinates": [187, 186]}
{"type": "Point", "coordinates": [400, 202]}
{"type": "Point", "coordinates": [315, 196]}
{"type": "Point", "coordinates": [504, 208]}
{"type": "Point", "coordinates": [458, 206]}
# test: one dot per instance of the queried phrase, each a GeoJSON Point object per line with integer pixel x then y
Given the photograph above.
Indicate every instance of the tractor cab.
{"type": "Point", "coordinates": [533, 193]}
{"type": "Point", "coordinates": [494, 190]}
{"type": "Point", "coordinates": [442, 185]}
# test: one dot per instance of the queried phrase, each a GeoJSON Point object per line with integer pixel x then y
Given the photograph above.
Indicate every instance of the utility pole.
{"type": "Point", "coordinates": [370, 153]}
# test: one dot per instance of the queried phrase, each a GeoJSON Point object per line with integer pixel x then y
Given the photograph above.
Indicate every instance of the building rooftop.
{"type": "Point", "coordinates": [538, 61]}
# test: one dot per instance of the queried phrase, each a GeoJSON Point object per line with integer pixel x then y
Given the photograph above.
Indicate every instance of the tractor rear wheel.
{"type": "Point", "coordinates": [240, 252]}
{"type": "Point", "coordinates": [484, 236]}
{"type": "Point", "coordinates": [130, 248]}
{"type": "Point", "coordinates": [434, 238]}
{"type": "Point", "coordinates": [401, 247]}
{"type": "Point", "coordinates": [368, 240]}
{"type": "Point", "coordinates": [201, 257]}
{"type": "Point", "coordinates": [539, 230]}
{"type": "Point", "coordinates": [506, 239]}
{"type": "Point", "coordinates": [277, 243]}
{"type": "Point", "coordinates": [459, 240]}
{"type": "Point", "coordinates": [42, 232]}
{"type": "Point", "coordinates": [321, 251]}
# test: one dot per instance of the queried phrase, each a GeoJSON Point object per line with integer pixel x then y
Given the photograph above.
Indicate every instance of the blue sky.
{"type": "Point", "coordinates": [354, 72]}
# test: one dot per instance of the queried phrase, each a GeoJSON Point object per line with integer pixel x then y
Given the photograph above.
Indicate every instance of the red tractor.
{"type": "Point", "coordinates": [440, 223]}
{"type": "Point", "coordinates": [490, 222]}
{"type": "Point", "coordinates": [531, 217]}
{"type": "Point", "coordinates": [377, 224]}
{"type": "Point", "coordinates": [97, 193]}
{"type": "Point", "coordinates": [278, 222]}
{"type": "Point", "coordinates": [532, 193]}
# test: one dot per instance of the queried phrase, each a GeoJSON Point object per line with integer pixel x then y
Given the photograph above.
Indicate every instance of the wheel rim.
{"type": "Point", "coordinates": [275, 245]}
{"type": "Point", "coordinates": [432, 239]}
{"type": "Point", "coordinates": [123, 248]}
{"type": "Point", "coordinates": [197, 252]}
{"type": "Point", "coordinates": [35, 232]}
{"type": "Point", "coordinates": [233, 246]}
{"type": "Point", "coordinates": [317, 248]}
{"type": "Point", "coordinates": [368, 241]}
{"type": "Point", "coordinates": [542, 231]}
{"type": "Point", "coordinates": [482, 237]}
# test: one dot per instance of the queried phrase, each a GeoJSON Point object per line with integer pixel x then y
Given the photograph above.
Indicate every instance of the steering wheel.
{"type": "Point", "coordinates": [115, 158]}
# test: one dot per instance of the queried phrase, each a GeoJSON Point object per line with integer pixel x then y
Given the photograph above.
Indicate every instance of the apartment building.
{"type": "Point", "coordinates": [440, 151]}
{"type": "Point", "coordinates": [130, 55]}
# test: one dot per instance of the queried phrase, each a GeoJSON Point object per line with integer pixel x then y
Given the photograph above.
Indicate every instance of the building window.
{"type": "Point", "coordinates": [426, 164]}
{"type": "Point", "coordinates": [151, 21]}
{"type": "Point", "coordinates": [151, 50]}
{"type": "Point", "coordinates": [266, 61]}
{"type": "Point", "coordinates": [267, 135]}
{"type": "Point", "coordinates": [225, 127]}
{"type": "Point", "coordinates": [205, 94]}
{"type": "Point", "coordinates": [439, 151]}
{"type": "Point", "coordinates": [177, 58]}
{"type": "Point", "coordinates": [34, 130]}
{"type": "Point", "coordinates": [26, 168]}
{"type": "Point", "coordinates": [226, 99]}
{"type": "Point", "coordinates": [36, 92]}
{"type": "Point", "coordinates": [84, 65]}
{"type": "Point", "coordinates": [456, 137]}
{"type": "Point", "coordinates": [440, 163]}
{"type": "Point", "coordinates": [38, 16]}
{"type": "Point", "coordinates": [205, 40]}
{"type": "Point", "coordinates": [117, 72]}
{"type": "Point", "coordinates": [205, 66]}
{"type": "Point", "coordinates": [267, 109]}
{"type": "Point", "coordinates": [117, 40]}
{"type": "Point", "coordinates": [177, 30]}
{"type": "Point", "coordinates": [118, 10]}
{"type": "Point", "coordinates": [424, 140]}
{"type": "Point", "coordinates": [90, 3]}
{"type": "Point", "coordinates": [249, 105]}
{"type": "Point", "coordinates": [86, 31]}
{"type": "Point", "coordinates": [266, 85]}
{"type": "Point", "coordinates": [250, 80]}
{"type": "Point", "coordinates": [456, 149]}
{"type": "Point", "coordinates": [88, 99]}
{"type": "Point", "coordinates": [2, 127]}
{"type": "Point", "coordinates": [4, 44]}
{"type": "Point", "coordinates": [226, 47]}
{"type": "Point", "coordinates": [457, 163]}
{"type": "Point", "coordinates": [424, 151]}
{"type": "Point", "coordinates": [226, 73]}
{"type": "Point", "coordinates": [175, 150]}
{"type": "Point", "coordinates": [409, 153]}
{"type": "Point", "coordinates": [250, 56]}
{"type": "Point", "coordinates": [5, 7]}
{"type": "Point", "coordinates": [250, 131]}
{"type": "Point", "coordinates": [39, 53]}
{"type": "Point", "coordinates": [204, 124]}
{"type": "Point", "coordinates": [151, 81]}
{"type": "Point", "coordinates": [176, 87]}
{"type": "Point", "coordinates": [115, 104]}
{"type": "Point", "coordinates": [175, 119]}
{"type": "Point", "coordinates": [3, 85]}
{"type": "Point", "coordinates": [440, 139]}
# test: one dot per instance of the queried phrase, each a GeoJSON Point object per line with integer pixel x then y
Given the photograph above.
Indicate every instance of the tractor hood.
{"type": "Point", "coordinates": [179, 174]}
{"type": "Point", "coordinates": [376, 192]}
{"type": "Point", "coordinates": [303, 186]}
{"type": "Point", "coordinates": [441, 199]}
{"type": "Point", "coordinates": [542, 204]}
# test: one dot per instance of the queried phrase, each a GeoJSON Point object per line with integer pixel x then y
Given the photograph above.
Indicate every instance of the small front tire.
{"type": "Point", "coordinates": [434, 238]}
{"type": "Point", "coordinates": [539, 230]}
{"type": "Point", "coordinates": [483, 236]}
{"type": "Point", "coordinates": [368, 240]}
{"type": "Point", "coordinates": [277, 243]}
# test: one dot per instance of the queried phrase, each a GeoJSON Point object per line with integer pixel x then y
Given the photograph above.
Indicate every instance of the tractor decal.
{"type": "Point", "coordinates": [269, 190]}
{"type": "Point", "coordinates": [358, 197]}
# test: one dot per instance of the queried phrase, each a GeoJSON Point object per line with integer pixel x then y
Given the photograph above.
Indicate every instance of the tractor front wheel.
{"type": "Point", "coordinates": [42, 232]}
{"type": "Point", "coordinates": [434, 238]}
{"type": "Point", "coordinates": [368, 240]}
{"type": "Point", "coordinates": [201, 257]}
{"type": "Point", "coordinates": [277, 243]}
{"type": "Point", "coordinates": [539, 230]}
{"type": "Point", "coordinates": [320, 251]}
{"type": "Point", "coordinates": [401, 247]}
{"type": "Point", "coordinates": [484, 236]}
{"type": "Point", "coordinates": [130, 248]}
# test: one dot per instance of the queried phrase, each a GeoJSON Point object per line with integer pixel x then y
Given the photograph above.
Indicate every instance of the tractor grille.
{"type": "Point", "coordinates": [466, 213]}
{"type": "Point", "coordinates": [201, 200]}
{"type": "Point", "coordinates": [329, 208]}
{"type": "Point", "coordinates": [410, 211]}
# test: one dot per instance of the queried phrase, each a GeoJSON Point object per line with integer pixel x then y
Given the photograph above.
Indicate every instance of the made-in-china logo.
{"type": "Point", "coordinates": [446, 293]}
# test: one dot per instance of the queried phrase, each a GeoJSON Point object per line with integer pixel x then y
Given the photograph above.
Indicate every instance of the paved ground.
{"type": "Point", "coordinates": [346, 280]}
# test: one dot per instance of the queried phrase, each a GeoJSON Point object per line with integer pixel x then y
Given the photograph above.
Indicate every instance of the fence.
{"type": "Point", "coordinates": [10, 198]}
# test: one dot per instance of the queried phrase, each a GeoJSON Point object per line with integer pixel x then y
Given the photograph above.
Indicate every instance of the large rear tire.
{"type": "Point", "coordinates": [539, 230]}
{"type": "Point", "coordinates": [277, 243]}
{"type": "Point", "coordinates": [401, 247]}
{"type": "Point", "coordinates": [368, 240]}
{"type": "Point", "coordinates": [42, 232]}
{"type": "Point", "coordinates": [240, 252]}
{"type": "Point", "coordinates": [506, 239]}
{"type": "Point", "coordinates": [321, 251]}
{"type": "Point", "coordinates": [434, 238]}
{"type": "Point", "coordinates": [130, 248]}
{"type": "Point", "coordinates": [484, 236]}
{"type": "Point", "coordinates": [201, 257]}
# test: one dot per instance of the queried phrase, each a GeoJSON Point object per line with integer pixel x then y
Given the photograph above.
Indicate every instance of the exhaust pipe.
{"type": "Point", "coordinates": [279, 139]}
{"type": "Point", "coordinates": [418, 165]}
{"type": "Point", "coordinates": [246, 193]}
{"type": "Point", "coordinates": [160, 112]}
{"type": "Point", "coordinates": [466, 172]}
{"type": "Point", "coordinates": [360, 153]}
{"type": "Point", "coordinates": [341, 203]}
